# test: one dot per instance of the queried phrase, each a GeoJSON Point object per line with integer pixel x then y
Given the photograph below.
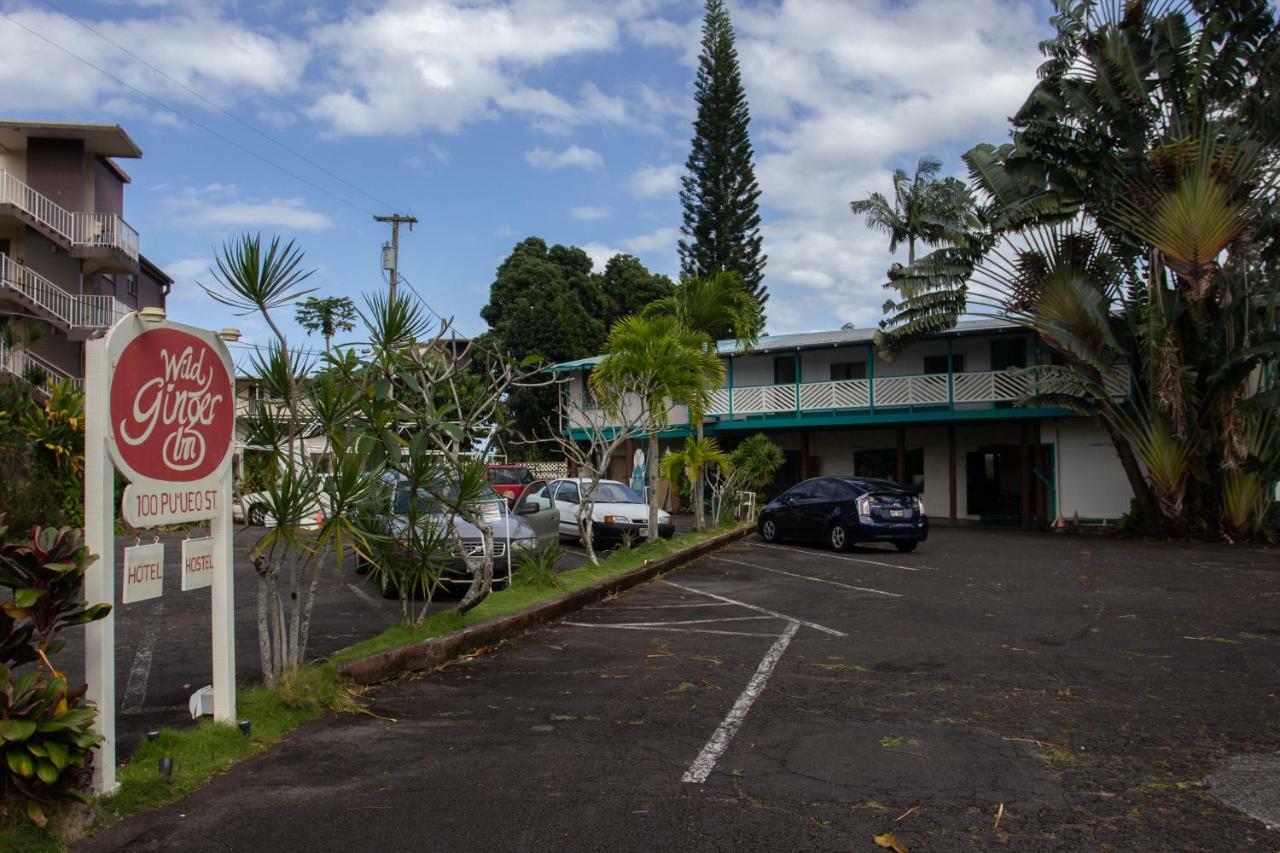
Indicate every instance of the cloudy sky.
{"type": "Point", "coordinates": [492, 121]}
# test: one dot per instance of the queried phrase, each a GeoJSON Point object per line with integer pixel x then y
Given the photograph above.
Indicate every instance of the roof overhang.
{"type": "Point", "coordinates": [104, 140]}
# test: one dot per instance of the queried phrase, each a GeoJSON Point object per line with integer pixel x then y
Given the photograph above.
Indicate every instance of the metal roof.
{"type": "Point", "coordinates": [793, 341]}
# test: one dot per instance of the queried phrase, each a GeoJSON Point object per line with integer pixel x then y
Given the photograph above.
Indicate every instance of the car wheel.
{"type": "Point", "coordinates": [769, 530]}
{"type": "Point", "coordinates": [906, 547]}
{"type": "Point", "coordinates": [256, 515]}
{"type": "Point", "coordinates": [839, 538]}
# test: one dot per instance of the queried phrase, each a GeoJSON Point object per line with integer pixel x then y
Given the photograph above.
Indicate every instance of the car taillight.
{"type": "Point", "coordinates": [864, 506]}
{"type": "Point", "coordinates": [920, 506]}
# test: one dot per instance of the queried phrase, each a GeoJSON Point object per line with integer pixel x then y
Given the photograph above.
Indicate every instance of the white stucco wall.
{"type": "Point", "coordinates": [1090, 479]}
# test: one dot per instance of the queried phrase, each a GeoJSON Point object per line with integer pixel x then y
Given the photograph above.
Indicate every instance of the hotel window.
{"type": "Point", "coordinates": [131, 285]}
{"type": "Point", "coordinates": [784, 370]}
{"type": "Point", "coordinates": [938, 363]}
{"type": "Point", "coordinates": [848, 370]}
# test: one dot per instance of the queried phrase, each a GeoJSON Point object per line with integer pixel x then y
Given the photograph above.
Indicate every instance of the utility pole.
{"type": "Point", "coordinates": [391, 251]}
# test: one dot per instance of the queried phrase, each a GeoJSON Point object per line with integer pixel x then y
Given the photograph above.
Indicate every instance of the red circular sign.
{"type": "Point", "coordinates": [172, 407]}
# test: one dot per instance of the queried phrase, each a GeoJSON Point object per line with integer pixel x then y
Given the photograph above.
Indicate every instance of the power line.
{"type": "Point", "coordinates": [184, 116]}
{"type": "Point", "coordinates": [215, 106]}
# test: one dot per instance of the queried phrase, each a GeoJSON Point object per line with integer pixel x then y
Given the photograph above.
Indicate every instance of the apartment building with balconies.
{"type": "Point", "coordinates": [70, 263]}
{"type": "Point", "coordinates": [941, 416]}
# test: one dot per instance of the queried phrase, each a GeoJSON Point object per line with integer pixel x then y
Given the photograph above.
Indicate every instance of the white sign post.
{"type": "Point", "coordinates": [160, 408]}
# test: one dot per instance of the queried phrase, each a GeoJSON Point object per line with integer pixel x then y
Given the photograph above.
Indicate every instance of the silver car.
{"type": "Point", "coordinates": [528, 526]}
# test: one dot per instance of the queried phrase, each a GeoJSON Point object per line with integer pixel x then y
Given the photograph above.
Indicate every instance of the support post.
{"type": "Point", "coordinates": [224, 610]}
{"type": "Point", "coordinates": [804, 454]}
{"type": "Point", "coordinates": [1037, 455]}
{"type": "Point", "coordinates": [951, 377]}
{"type": "Point", "coordinates": [951, 470]}
{"type": "Point", "coordinates": [902, 455]}
{"type": "Point", "coordinates": [871, 377]}
{"type": "Point", "coordinates": [1024, 464]}
{"type": "Point", "coordinates": [99, 579]}
{"type": "Point", "coordinates": [731, 387]}
{"type": "Point", "coordinates": [797, 389]}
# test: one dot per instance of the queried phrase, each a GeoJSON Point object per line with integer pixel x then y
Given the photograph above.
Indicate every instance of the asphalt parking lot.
{"type": "Point", "coordinates": [163, 646]}
{"type": "Point", "coordinates": [989, 690]}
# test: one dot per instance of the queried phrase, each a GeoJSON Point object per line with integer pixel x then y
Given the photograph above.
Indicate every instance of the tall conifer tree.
{"type": "Point", "coordinates": [721, 215]}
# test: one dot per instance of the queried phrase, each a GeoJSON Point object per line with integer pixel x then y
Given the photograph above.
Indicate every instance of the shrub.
{"type": "Point", "coordinates": [538, 568]}
{"type": "Point", "coordinates": [45, 726]}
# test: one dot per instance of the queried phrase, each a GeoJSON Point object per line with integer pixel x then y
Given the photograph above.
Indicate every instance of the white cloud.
{"type": "Point", "coordinates": [574, 155]}
{"type": "Point", "coordinates": [223, 60]}
{"type": "Point", "coordinates": [590, 213]}
{"type": "Point", "coordinates": [656, 181]}
{"type": "Point", "coordinates": [600, 253]}
{"type": "Point", "coordinates": [661, 240]}
{"type": "Point", "coordinates": [410, 65]}
{"type": "Point", "coordinates": [218, 208]}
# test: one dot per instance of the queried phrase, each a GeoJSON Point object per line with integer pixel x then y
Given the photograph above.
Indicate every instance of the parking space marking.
{"type": "Point", "coordinates": [823, 628]}
{"type": "Point", "coordinates": [668, 606]}
{"type": "Point", "coordinates": [698, 621]}
{"type": "Point", "coordinates": [706, 760]}
{"type": "Point", "coordinates": [807, 577]}
{"type": "Point", "coordinates": [660, 627]}
{"type": "Point", "coordinates": [135, 691]}
{"type": "Point", "coordinates": [842, 557]}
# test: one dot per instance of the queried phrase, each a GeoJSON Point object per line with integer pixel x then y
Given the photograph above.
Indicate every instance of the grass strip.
{"type": "Point", "coordinates": [520, 597]}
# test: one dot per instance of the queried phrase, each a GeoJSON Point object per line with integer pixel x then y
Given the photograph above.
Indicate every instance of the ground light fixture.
{"type": "Point", "coordinates": [245, 727]}
{"type": "Point", "coordinates": [166, 767]}
{"type": "Point", "coordinates": [151, 314]}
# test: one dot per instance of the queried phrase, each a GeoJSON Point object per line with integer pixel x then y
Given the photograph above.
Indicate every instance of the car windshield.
{"type": "Point", "coordinates": [614, 493]}
{"type": "Point", "coordinates": [510, 476]}
{"type": "Point", "coordinates": [429, 504]}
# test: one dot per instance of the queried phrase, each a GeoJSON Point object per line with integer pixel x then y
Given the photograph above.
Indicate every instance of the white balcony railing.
{"type": "Point", "coordinates": [76, 311]}
{"type": "Point", "coordinates": [888, 392]}
{"type": "Point", "coordinates": [33, 369]}
{"type": "Point", "coordinates": [80, 229]}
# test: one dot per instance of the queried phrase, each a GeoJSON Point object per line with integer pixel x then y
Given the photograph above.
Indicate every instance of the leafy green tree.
{"type": "Point", "coordinates": [629, 286]}
{"type": "Point", "coordinates": [328, 316]}
{"type": "Point", "coordinates": [924, 209]}
{"type": "Point", "coordinates": [720, 196]}
{"type": "Point", "coordinates": [664, 364]}
{"type": "Point", "coordinates": [544, 304]}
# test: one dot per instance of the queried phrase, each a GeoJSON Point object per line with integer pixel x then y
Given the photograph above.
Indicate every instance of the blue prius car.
{"type": "Point", "coordinates": [842, 511]}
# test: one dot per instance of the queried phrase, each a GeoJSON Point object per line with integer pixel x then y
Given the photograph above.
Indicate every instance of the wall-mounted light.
{"type": "Point", "coordinates": [229, 334]}
{"type": "Point", "coordinates": [151, 314]}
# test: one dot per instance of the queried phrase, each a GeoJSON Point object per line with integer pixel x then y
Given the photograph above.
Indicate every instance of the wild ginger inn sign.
{"type": "Point", "coordinates": [160, 408]}
{"type": "Point", "coordinates": [172, 414]}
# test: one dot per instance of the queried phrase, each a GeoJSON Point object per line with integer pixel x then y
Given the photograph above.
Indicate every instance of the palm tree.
{"type": "Point", "coordinates": [667, 364]}
{"type": "Point", "coordinates": [719, 307]}
{"type": "Point", "coordinates": [924, 209]}
{"type": "Point", "coordinates": [690, 463]}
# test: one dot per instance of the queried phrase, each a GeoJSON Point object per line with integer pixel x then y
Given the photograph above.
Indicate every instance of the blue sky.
{"type": "Point", "coordinates": [492, 121]}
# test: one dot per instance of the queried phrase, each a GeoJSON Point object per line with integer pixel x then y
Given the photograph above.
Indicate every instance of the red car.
{"type": "Point", "coordinates": [509, 480]}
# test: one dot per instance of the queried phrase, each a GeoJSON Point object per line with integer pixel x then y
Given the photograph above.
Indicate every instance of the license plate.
{"type": "Point", "coordinates": [897, 513]}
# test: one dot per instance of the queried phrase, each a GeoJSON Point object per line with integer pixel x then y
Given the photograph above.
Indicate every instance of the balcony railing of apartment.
{"type": "Point", "coordinates": [33, 369]}
{"type": "Point", "coordinates": [73, 309]}
{"type": "Point", "coordinates": [931, 390]}
{"type": "Point", "coordinates": [80, 229]}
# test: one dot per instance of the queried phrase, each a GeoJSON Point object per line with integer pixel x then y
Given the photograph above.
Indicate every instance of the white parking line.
{"type": "Point", "coordinates": [668, 606]}
{"type": "Point", "coordinates": [661, 628]}
{"type": "Point", "coordinates": [135, 691]}
{"type": "Point", "coordinates": [697, 621]}
{"type": "Point", "coordinates": [841, 557]}
{"type": "Point", "coordinates": [807, 578]}
{"type": "Point", "coordinates": [823, 628]}
{"type": "Point", "coordinates": [706, 760]}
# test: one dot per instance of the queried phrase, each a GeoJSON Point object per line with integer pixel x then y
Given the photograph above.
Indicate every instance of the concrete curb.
{"type": "Point", "coordinates": [437, 651]}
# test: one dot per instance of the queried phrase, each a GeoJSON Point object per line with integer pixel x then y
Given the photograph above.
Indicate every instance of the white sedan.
{"type": "Point", "coordinates": [617, 511]}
